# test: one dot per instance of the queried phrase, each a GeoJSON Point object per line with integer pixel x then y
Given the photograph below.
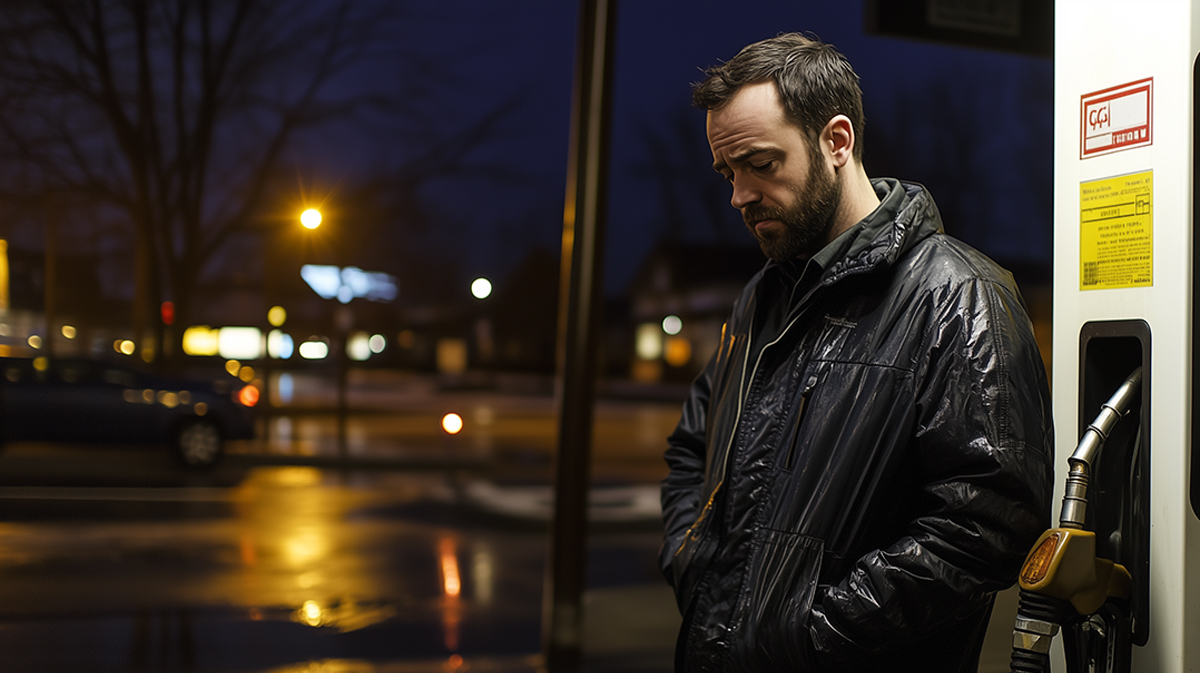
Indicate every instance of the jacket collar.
{"type": "Point", "coordinates": [906, 215]}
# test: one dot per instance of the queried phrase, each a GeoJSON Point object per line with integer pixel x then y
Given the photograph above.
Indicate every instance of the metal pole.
{"type": "Point", "coordinates": [50, 275]}
{"type": "Point", "coordinates": [344, 319]}
{"type": "Point", "coordinates": [579, 329]}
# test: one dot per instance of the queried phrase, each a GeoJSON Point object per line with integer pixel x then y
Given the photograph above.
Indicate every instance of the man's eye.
{"type": "Point", "coordinates": [762, 167]}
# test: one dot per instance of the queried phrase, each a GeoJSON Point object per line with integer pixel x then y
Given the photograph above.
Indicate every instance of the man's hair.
{"type": "Point", "coordinates": [814, 80]}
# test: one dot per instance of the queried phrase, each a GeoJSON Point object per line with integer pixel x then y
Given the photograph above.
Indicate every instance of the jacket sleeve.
{"type": "Point", "coordinates": [982, 460]}
{"type": "Point", "coordinates": [685, 455]}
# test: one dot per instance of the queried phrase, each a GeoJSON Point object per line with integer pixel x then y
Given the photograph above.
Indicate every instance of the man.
{"type": "Point", "coordinates": [866, 459]}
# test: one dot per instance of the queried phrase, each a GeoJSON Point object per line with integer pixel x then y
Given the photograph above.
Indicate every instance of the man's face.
{"type": "Point", "coordinates": [783, 185]}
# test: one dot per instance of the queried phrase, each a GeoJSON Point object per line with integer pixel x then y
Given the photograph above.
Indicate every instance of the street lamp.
{"type": "Point", "coordinates": [481, 288]}
{"type": "Point", "coordinates": [311, 218]}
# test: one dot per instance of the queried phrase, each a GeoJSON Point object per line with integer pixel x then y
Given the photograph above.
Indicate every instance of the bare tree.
{"type": "Point", "coordinates": [174, 113]}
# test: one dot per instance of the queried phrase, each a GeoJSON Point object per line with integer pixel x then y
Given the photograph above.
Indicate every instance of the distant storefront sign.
{"type": "Point", "coordinates": [345, 284]}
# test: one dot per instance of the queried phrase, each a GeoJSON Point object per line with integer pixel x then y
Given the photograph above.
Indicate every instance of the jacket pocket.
{"type": "Point", "coordinates": [789, 460]}
{"type": "Point", "coordinates": [775, 613]}
{"type": "Point", "coordinates": [695, 552]}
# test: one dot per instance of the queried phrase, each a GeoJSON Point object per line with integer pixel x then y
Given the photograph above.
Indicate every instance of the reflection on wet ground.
{"type": "Point", "coordinates": [304, 569]}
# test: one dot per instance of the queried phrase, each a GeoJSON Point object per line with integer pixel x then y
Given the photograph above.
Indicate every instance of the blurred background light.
{"type": "Point", "coordinates": [481, 288]}
{"type": "Point", "coordinates": [239, 343]}
{"type": "Point", "coordinates": [280, 345]}
{"type": "Point", "coordinates": [314, 350]}
{"type": "Point", "coordinates": [284, 387]}
{"type": "Point", "coordinates": [678, 352]}
{"type": "Point", "coordinates": [200, 340]}
{"type": "Point", "coordinates": [377, 343]}
{"type": "Point", "coordinates": [248, 396]}
{"type": "Point", "coordinates": [452, 423]}
{"type": "Point", "coordinates": [277, 315]}
{"type": "Point", "coordinates": [672, 325]}
{"type": "Point", "coordinates": [168, 399]}
{"type": "Point", "coordinates": [345, 284]}
{"type": "Point", "coordinates": [451, 356]}
{"type": "Point", "coordinates": [311, 218]}
{"type": "Point", "coordinates": [323, 279]}
{"type": "Point", "coordinates": [649, 343]}
{"type": "Point", "coordinates": [358, 347]}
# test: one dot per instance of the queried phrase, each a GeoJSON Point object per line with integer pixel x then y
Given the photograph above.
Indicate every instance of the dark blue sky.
{"type": "Point", "coordinates": [973, 125]}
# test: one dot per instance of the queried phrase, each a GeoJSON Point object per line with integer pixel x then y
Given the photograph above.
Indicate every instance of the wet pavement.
{"type": "Point", "coordinates": [402, 550]}
{"type": "Point", "coordinates": [308, 569]}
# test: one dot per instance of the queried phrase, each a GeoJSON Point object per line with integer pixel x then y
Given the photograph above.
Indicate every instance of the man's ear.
{"type": "Point", "coordinates": [837, 138]}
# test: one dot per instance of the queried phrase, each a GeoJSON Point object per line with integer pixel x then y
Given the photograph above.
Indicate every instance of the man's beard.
{"type": "Point", "coordinates": [806, 222]}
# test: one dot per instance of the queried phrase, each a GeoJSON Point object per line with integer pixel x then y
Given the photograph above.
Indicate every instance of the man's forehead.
{"type": "Point", "coordinates": [752, 120]}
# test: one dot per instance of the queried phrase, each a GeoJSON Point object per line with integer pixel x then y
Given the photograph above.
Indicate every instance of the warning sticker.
{"type": "Point", "coordinates": [1116, 232]}
{"type": "Point", "coordinates": [1117, 118]}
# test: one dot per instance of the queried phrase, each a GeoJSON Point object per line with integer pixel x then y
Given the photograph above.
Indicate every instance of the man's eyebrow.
{"type": "Point", "coordinates": [740, 158]}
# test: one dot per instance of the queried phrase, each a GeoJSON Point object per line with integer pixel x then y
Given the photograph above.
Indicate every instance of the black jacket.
{"type": "Point", "coordinates": [849, 489]}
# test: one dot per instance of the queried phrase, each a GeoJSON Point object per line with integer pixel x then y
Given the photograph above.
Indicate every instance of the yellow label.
{"type": "Point", "coordinates": [1116, 232]}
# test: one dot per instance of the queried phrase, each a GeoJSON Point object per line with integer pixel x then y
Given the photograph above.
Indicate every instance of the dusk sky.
{"type": "Point", "coordinates": [965, 122]}
{"type": "Point", "coordinates": [470, 139]}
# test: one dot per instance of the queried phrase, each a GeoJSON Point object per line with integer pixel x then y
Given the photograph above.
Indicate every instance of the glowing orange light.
{"type": "Point", "coordinates": [678, 351]}
{"type": "Point", "coordinates": [1038, 563]}
{"type": "Point", "coordinates": [452, 423]}
{"type": "Point", "coordinates": [452, 586]}
{"type": "Point", "coordinates": [248, 396]}
{"type": "Point", "coordinates": [247, 549]}
{"type": "Point", "coordinates": [451, 581]}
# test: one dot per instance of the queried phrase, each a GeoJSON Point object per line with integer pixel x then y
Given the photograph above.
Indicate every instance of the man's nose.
{"type": "Point", "coordinates": [744, 194]}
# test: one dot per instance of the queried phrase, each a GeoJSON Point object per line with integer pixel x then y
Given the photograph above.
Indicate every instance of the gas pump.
{"type": "Point", "coordinates": [1065, 582]}
{"type": "Point", "coordinates": [1120, 576]}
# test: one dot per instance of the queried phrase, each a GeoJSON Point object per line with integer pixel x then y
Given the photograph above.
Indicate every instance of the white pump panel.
{"type": "Point", "coordinates": [1123, 220]}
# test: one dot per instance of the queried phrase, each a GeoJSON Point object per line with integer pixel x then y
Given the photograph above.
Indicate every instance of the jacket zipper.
{"type": "Point", "coordinates": [744, 386]}
{"type": "Point", "coordinates": [790, 459]}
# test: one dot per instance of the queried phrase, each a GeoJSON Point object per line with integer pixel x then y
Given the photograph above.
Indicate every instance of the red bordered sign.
{"type": "Point", "coordinates": [1117, 118]}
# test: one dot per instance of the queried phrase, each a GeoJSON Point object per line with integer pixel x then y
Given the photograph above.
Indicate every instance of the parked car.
{"type": "Point", "coordinates": [103, 402]}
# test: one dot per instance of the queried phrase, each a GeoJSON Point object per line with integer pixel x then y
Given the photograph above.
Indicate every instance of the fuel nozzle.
{"type": "Point", "coordinates": [1062, 578]}
{"type": "Point", "coordinates": [1074, 504]}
